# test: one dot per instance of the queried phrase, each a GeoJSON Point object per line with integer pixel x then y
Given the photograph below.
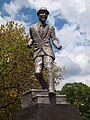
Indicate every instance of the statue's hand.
{"type": "Point", "coordinates": [30, 43]}
{"type": "Point", "coordinates": [28, 46]}
{"type": "Point", "coordinates": [59, 47]}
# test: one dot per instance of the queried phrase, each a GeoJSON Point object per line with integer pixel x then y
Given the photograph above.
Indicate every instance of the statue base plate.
{"type": "Point", "coordinates": [36, 96]}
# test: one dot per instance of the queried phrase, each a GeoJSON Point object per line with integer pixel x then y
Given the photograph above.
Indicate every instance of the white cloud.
{"type": "Point", "coordinates": [74, 56]}
{"type": "Point", "coordinates": [84, 61]}
{"type": "Point", "coordinates": [21, 16]}
{"type": "Point", "coordinates": [71, 68]}
{"type": "Point", "coordinates": [78, 79]}
{"type": "Point", "coordinates": [2, 20]}
{"type": "Point", "coordinates": [13, 7]}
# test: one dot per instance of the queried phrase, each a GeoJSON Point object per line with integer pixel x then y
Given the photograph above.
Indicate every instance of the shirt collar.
{"type": "Point", "coordinates": [40, 24]}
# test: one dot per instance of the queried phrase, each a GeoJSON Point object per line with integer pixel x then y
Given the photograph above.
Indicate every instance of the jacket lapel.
{"type": "Point", "coordinates": [45, 31]}
{"type": "Point", "coordinates": [36, 29]}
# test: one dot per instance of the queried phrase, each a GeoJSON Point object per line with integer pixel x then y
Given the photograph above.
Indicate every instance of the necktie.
{"type": "Point", "coordinates": [41, 30]}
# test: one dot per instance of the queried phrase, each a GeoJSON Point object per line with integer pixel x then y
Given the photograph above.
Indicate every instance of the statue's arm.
{"type": "Point", "coordinates": [30, 43]}
{"type": "Point", "coordinates": [54, 39]}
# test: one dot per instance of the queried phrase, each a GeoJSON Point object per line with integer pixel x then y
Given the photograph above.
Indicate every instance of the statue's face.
{"type": "Point", "coordinates": [43, 16]}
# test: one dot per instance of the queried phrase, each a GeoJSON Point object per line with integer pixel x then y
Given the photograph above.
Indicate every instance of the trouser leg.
{"type": "Point", "coordinates": [38, 72]}
{"type": "Point", "coordinates": [48, 63]}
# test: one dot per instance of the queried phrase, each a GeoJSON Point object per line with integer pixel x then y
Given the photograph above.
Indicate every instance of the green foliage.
{"type": "Point", "coordinates": [16, 61]}
{"type": "Point", "coordinates": [16, 68]}
{"type": "Point", "coordinates": [56, 73]}
{"type": "Point", "coordinates": [78, 93]}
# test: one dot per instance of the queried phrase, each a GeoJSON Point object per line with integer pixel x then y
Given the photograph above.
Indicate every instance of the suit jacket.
{"type": "Point", "coordinates": [43, 43]}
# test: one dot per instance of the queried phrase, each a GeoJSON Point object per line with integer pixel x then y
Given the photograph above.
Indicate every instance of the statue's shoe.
{"type": "Point", "coordinates": [52, 92]}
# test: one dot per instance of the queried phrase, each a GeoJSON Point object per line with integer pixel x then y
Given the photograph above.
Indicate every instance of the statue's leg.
{"type": "Point", "coordinates": [38, 72]}
{"type": "Point", "coordinates": [48, 63]}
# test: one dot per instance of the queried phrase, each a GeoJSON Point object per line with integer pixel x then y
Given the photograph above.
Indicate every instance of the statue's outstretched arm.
{"type": "Point", "coordinates": [30, 43]}
{"type": "Point", "coordinates": [54, 39]}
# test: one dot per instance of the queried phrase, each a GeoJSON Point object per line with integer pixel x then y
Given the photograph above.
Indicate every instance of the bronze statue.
{"type": "Point", "coordinates": [40, 34]}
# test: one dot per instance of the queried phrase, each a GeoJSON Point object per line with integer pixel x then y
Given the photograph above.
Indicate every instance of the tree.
{"type": "Point", "coordinates": [78, 93]}
{"type": "Point", "coordinates": [16, 68]}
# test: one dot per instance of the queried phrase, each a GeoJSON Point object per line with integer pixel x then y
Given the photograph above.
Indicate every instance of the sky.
{"type": "Point", "coordinates": [71, 19]}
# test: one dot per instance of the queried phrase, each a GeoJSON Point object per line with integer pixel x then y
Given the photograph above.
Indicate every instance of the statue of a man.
{"type": "Point", "coordinates": [40, 34]}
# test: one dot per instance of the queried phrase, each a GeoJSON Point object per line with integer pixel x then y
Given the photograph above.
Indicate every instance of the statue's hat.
{"type": "Point", "coordinates": [43, 9]}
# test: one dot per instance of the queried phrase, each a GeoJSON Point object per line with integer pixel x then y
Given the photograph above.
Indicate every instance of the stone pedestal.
{"type": "Point", "coordinates": [38, 105]}
{"type": "Point", "coordinates": [36, 96]}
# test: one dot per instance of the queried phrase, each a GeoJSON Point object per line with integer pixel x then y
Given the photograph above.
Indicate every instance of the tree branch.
{"type": "Point", "coordinates": [12, 102]}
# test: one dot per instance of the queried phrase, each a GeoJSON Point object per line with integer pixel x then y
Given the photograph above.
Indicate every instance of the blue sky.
{"type": "Point", "coordinates": [71, 19]}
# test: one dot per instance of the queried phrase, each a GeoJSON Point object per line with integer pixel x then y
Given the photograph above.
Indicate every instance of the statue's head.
{"type": "Point", "coordinates": [42, 14]}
